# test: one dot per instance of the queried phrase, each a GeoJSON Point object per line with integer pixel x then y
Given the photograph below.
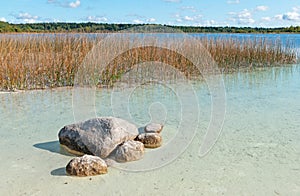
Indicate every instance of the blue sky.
{"type": "Point", "coordinates": [253, 13]}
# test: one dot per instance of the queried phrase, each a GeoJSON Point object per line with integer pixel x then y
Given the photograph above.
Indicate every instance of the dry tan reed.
{"type": "Point", "coordinates": [34, 62]}
{"type": "Point", "coordinates": [40, 62]}
{"type": "Point", "coordinates": [232, 54]}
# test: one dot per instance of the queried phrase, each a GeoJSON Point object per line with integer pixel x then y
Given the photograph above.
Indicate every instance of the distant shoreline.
{"type": "Point", "coordinates": [113, 28]}
{"type": "Point", "coordinates": [85, 33]}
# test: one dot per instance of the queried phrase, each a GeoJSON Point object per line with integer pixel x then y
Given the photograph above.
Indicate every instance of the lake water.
{"type": "Point", "coordinates": [257, 152]}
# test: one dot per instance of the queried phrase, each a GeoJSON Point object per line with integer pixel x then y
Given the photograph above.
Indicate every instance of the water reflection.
{"type": "Point", "coordinates": [260, 77]}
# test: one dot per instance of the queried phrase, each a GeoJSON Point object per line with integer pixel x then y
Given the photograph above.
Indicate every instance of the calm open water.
{"type": "Point", "coordinates": [257, 153]}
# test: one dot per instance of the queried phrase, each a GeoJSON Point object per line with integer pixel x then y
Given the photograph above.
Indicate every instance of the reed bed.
{"type": "Point", "coordinates": [232, 54]}
{"type": "Point", "coordinates": [38, 62]}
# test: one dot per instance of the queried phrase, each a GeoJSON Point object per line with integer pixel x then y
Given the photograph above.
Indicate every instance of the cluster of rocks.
{"type": "Point", "coordinates": [103, 140]}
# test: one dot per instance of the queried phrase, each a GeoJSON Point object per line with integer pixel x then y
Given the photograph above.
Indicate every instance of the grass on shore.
{"type": "Point", "coordinates": [37, 62]}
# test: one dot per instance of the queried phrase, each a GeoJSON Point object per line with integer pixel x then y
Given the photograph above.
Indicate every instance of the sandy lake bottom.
{"type": "Point", "coordinates": [257, 153]}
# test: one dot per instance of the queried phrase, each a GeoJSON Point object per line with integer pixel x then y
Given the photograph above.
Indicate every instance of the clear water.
{"type": "Point", "coordinates": [257, 153]}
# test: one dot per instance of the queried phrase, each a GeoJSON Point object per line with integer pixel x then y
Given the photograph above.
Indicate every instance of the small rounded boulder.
{"type": "Point", "coordinates": [86, 165]}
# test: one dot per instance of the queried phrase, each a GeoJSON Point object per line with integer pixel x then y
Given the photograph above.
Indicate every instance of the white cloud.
{"type": "Point", "coordinates": [189, 8]}
{"type": "Point", "coordinates": [278, 17]}
{"type": "Point", "coordinates": [26, 17]}
{"type": "Point", "coordinates": [233, 1]}
{"type": "Point", "coordinates": [291, 16]}
{"type": "Point", "coordinates": [285, 19]}
{"type": "Point", "coordinates": [136, 16]}
{"type": "Point", "coordinates": [178, 20]}
{"type": "Point", "coordinates": [242, 18]}
{"type": "Point", "coordinates": [188, 18]}
{"type": "Point", "coordinates": [172, 1]}
{"type": "Point", "coordinates": [195, 18]}
{"type": "Point", "coordinates": [209, 23]}
{"type": "Point", "coordinates": [266, 19]}
{"type": "Point", "coordinates": [261, 8]}
{"type": "Point", "coordinates": [137, 21]}
{"type": "Point", "coordinates": [140, 19]}
{"type": "Point", "coordinates": [2, 19]}
{"type": "Point", "coordinates": [151, 20]}
{"type": "Point", "coordinates": [246, 16]}
{"type": "Point", "coordinates": [296, 9]}
{"type": "Point", "coordinates": [96, 19]}
{"type": "Point", "coordinates": [74, 4]}
{"type": "Point", "coordinates": [51, 20]}
{"type": "Point", "coordinates": [67, 4]}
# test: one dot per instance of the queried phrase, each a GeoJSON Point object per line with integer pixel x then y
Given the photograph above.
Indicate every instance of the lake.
{"type": "Point", "coordinates": [257, 152]}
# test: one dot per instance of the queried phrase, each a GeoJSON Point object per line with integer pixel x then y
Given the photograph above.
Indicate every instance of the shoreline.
{"type": "Point", "coordinates": [92, 27]}
{"type": "Point", "coordinates": [98, 87]}
{"type": "Point", "coordinates": [124, 31]}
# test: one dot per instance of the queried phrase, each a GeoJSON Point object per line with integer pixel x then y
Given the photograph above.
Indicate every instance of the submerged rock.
{"type": "Point", "coordinates": [98, 136]}
{"type": "Point", "coordinates": [129, 151]}
{"type": "Point", "coordinates": [153, 128]}
{"type": "Point", "coordinates": [86, 165]}
{"type": "Point", "coordinates": [150, 140]}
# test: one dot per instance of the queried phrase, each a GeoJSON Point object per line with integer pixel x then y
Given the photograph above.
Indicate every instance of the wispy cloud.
{"type": "Point", "coordinates": [188, 8]}
{"type": "Point", "coordinates": [246, 16]}
{"type": "Point", "coordinates": [74, 4]}
{"type": "Point", "coordinates": [172, 1]}
{"type": "Point", "coordinates": [140, 21]}
{"type": "Point", "coordinates": [278, 17]}
{"type": "Point", "coordinates": [294, 15]}
{"type": "Point", "coordinates": [261, 8]}
{"type": "Point", "coordinates": [209, 23]}
{"type": "Point", "coordinates": [233, 1]}
{"type": "Point", "coordinates": [151, 20]}
{"type": "Point", "coordinates": [26, 17]}
{"type": "Point", "coordinates": [135, 16]}
{"type": "Point", "coordinates": [243, 17]}
{"type": "Point", "coordinates": [137, 21]}
{"type": "Point", "coordinates": [186, 18]}
{"type": "Point", "coordinates": [266, 19]}
{"type": "Point", "coordinates": [96, 19]}
{"type": "Point", "coordinates": [67, 4]}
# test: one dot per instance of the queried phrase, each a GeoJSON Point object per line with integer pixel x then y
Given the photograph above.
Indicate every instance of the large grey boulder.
{"type": "Point", "coordinates": [129, 151]}
{"type": "Point", "coordinates": [98, 136]}
{"type": "Point", "coordinates": [86, 165]}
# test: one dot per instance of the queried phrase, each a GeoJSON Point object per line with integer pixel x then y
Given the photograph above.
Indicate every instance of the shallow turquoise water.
{"type": "Point", "coordinates": [257, 153]}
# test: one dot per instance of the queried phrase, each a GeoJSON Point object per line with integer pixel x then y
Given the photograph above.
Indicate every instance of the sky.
{"type": "Point", "coordinates": [239, 13]}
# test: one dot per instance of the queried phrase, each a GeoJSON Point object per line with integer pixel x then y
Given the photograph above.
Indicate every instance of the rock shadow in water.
{"type": "Point", "coordinates": [52, 146]}
{"type": "Point", "coordinates": [59, 172]}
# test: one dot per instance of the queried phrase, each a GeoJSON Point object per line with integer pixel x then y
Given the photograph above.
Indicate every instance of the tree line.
{"type": "Point", "coordinates": [89, 27]}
